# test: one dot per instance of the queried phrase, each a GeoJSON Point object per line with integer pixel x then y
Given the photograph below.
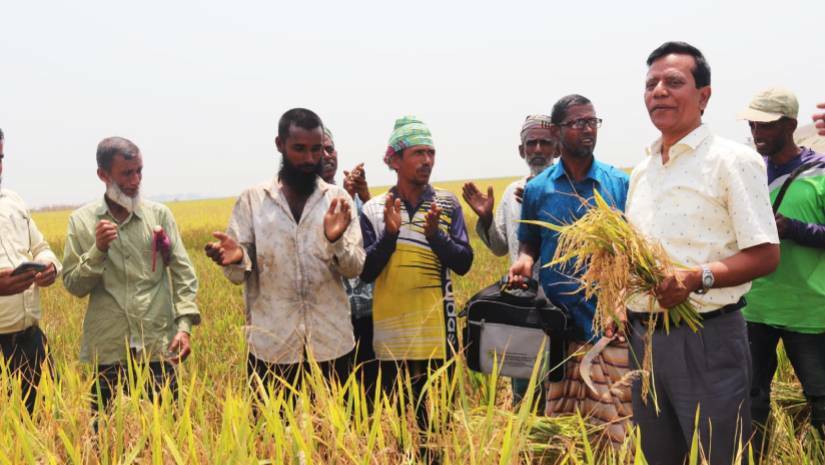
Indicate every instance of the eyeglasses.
{"type": "Point", "coordinates": [581, 123]}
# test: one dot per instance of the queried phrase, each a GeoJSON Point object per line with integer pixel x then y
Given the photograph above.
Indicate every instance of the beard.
{"type": "Point", "coordinates": [537, 164]}
{"type": "Point", "coordinates": [578, 151]}
{"type": "Point", "coordinates": [116, 195]}
{"type": "Point", "coordinates": [299, 180]}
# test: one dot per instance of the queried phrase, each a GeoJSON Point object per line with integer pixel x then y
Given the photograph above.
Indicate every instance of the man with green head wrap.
{"type": "Point", "coordinates": [414, 236]}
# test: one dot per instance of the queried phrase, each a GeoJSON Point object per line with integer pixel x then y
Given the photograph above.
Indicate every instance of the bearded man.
{"type": "Point", "coordinates": [126, 254]}
{"type": "Point", "coordinates": [291, 241]}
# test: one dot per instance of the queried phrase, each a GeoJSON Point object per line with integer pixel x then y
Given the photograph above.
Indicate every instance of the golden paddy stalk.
{"type": "Point", "coordinates": [613, 262]}
{"type": "Point", "coordinates": [212, 421]}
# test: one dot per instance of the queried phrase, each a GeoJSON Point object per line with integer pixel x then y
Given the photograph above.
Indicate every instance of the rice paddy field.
{"type": "Point", "coordinates": [213, 421]}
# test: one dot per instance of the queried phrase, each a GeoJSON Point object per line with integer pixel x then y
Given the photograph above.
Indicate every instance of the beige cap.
{"type": "Point", "coordinates": [770, 105]}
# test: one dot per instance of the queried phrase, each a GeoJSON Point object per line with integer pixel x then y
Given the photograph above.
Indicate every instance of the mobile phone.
{"type": "Point", "coordinates": [26, 266]}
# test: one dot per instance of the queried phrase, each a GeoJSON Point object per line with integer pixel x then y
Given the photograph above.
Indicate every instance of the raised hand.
{"type": "Point", "coordinates": [431, 220]}
{"type": "Point", "coordinates": [225, 251]}
{"type": "Point", "coordinates": [11, 285]}
{"type": "Point", "coordinates": [337, 219]}
{"type": "Point", "coordinates": [105, 234]}
{"type": "Point", "coordinates": [480, 203]}
{"type": "Point", "coordinates": [392, 215]}
{"type": "Point", "coordinates": [819, 119]}
{"type": "Point", "coordinates": [355, 182]}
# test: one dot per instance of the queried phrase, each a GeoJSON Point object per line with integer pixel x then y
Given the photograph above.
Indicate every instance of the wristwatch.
{"type": "Point", "coordinates": [707, 280]}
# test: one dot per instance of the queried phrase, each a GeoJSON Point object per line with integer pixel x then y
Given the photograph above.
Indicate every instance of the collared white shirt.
{"type": "Point", "coordinates": [294, 293]}
{"type": "Point", "coordinates": [709, 202]}
{"type": "Point", "coordinates": [20, 241]}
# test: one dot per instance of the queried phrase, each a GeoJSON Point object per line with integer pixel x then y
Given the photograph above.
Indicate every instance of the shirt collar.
{"type": "Point", "coordinates": [688, 143]}
{"type": "Point", "coordinates": [558, 171]}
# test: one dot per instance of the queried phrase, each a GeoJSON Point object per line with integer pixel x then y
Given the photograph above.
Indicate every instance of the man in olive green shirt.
{"type": "Point", "coordinates": [117, 254]}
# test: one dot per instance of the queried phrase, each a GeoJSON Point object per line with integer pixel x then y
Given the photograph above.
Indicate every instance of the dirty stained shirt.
{"type": "Point", "coordinates": [295, 300]}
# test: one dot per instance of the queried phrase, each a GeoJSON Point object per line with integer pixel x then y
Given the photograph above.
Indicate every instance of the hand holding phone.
{"type": "Point", "coordinates": [29, 266]}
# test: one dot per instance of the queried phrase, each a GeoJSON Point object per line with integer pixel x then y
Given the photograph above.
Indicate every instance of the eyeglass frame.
{"type": "Point", "coordinates": [581, 123]}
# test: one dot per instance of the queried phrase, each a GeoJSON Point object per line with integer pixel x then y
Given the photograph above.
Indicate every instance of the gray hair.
{"type": "Point", "coordinates": [111, 146]}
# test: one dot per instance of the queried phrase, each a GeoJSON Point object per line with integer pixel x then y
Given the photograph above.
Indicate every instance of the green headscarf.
{"type": "Point", "coordinates": [407, 132]}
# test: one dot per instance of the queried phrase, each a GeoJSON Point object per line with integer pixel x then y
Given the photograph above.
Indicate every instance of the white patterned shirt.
{"type": "Point", "coordinates": [20, 241]}
{"type": "Point", "coordinates": [709, 202]}
{"type": "Point", "coordinates": [294, 294]}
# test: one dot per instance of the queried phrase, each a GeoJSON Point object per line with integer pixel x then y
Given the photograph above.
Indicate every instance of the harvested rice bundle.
{"type": "Point", "coordinates": [615, 263]}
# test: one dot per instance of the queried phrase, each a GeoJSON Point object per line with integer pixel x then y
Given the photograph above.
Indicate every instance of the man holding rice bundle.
{"type": "Point", "coordinates": [141, 297]}
{"type": "Point", "coordinates": [499, 233]}
{"type": "Point", "coordinates": [788, 304]}
{"type": "Point", "coordinates": [562, 194]}
{"type": "Point", "coordinates": [704, 200]}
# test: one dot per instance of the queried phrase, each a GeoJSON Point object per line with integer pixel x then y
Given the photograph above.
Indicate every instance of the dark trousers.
{"type": "Point", "coordinates": [109, 377]}
{"type": "Point", "coordinates": [806, 353]}
{"type": "Point", "coordinates": [263, 375]}
{"type": "Point", "coordinates": [395, 372]}
{"type": "Point", "coordinates": [364, 362]}
{"type": "Point", "coordinates": [711, 370]}
{"type": "Point", "coordinates": [25, 354]}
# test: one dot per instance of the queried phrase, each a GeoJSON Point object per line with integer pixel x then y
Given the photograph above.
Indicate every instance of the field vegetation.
{"type": "Point", "coordinates": [213, 420]}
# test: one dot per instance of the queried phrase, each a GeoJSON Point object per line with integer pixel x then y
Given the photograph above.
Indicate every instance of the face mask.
{"type": "Point", "coordinates": [116, 195]}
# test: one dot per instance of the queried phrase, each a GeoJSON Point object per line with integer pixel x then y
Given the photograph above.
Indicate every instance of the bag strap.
{"type": "Point", "coordinates": [791, 177]}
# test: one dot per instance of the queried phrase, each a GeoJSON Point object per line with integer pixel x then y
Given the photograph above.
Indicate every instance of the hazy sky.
{"type": "Point", "coordinates": [199, 86]}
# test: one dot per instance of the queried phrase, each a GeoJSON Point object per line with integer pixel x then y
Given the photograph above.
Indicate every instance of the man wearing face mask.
{"type": "Point", "coordinates": [22, 341]}
{"type": "Point", "coordinates": [127, 255]}
{"type": "Point", "coordinates": [562, 194]}
{"type": "Point", "coordinates": [538, 149]}
{"type": "Point", "coordinates": [291, 241]}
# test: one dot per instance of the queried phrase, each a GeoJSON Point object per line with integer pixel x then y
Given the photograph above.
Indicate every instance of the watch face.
{"type": "Point", "coordinates": [707, 280]}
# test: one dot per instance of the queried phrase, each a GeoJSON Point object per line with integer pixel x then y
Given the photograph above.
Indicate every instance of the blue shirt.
{"type": "Point", "coordinates": [554, 197]}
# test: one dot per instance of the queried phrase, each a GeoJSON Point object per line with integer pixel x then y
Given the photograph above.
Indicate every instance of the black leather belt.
{"type": "Point", "coordinates": [644, 317]}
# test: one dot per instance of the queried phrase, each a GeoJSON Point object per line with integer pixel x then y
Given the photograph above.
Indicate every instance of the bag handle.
{"type": "Point", "coordinates": [791, 177]}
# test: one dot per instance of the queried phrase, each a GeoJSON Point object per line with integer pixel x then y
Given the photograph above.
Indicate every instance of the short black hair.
{"type": "Point", "coordinates": [2, 137]}
{"type": "Point", "coordinates": [301, 117]}
{"type": "Point", "coordinates": [560, 108]}
{"type": "Point", "coordinates": [701, 71]}
{"type": "Point", "coordinates": [111, 146]}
